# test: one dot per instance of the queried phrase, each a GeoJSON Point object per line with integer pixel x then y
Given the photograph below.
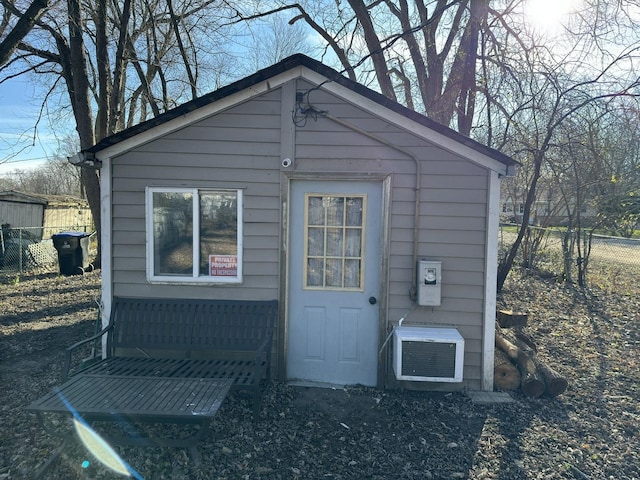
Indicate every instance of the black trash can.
{"type": "Point", "coordinates": [73, 252]}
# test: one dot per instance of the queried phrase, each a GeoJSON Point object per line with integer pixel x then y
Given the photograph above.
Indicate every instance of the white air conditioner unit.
{"type": "Point", "coordinates": [428, 354]}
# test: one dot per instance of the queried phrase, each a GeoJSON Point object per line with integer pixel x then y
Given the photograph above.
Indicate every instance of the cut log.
{"type": "Point", "coordinates": [506, 375]}
{"type": "Point", "coordinates": [526, 339]}
{"type": "Point", "coordinates": [509, 318]}
{"type": "Point", "coordinates": [506, 346]}
{"type": "Point", "coordinates": [556, 383]}
{"type": "Point", "coordinates": [531, 382]}
{"type": "Point", "coordinates": [523, 351]}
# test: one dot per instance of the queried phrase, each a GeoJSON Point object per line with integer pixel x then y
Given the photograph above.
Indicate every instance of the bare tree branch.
{"type": "Point", "coordinates": [183, 53]}
{"type": "Point", "coordinates": [21, 29]}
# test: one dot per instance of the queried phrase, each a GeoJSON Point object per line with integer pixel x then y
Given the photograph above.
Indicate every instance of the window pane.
{"type": "Point", "coordinates": [352, 273]}
{"type": "Point", "coordinates": [335, 210]}
{"type": "Point", "coordinates": [334, 242]}
{"type": "Point", "coordinates": [172, 233]}
{"type": "Point", "coordinates": [333, 273]}
{"type": "Point", "coordinates": [315, 211]}
{"type": "Point", "coordinates": [219, 233]}
{"type": "Point", "coordinates": [354, 236]}
{"type": "Point", "coordinates": [314, 272]}
{"type": "Point", "coordinates": [315, 247]}
{"type": "Point", "coordinates": [354, 211]}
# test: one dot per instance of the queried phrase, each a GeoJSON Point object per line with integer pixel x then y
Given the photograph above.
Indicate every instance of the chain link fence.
{"type": "Point", "coordinates": [611, 262]}
{"type": "Point", "coordinates": [27, 249]}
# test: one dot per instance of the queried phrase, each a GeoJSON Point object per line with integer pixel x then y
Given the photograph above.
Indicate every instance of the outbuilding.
{"type": "Point", "coordinates": [353, 211]}
{"type": "Point", "coordinates": [43, 215]}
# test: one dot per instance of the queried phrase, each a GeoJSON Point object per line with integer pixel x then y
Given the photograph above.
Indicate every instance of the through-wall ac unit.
{"type": "Point", "coordinates": [428, 354]}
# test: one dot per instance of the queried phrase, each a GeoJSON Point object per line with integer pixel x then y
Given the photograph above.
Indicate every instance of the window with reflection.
{"type": "Point", "coordinates": [194, 235]}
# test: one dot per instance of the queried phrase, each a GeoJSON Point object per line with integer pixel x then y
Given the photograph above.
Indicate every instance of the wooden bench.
{"type": "Point", "coordinates": [196, 350]}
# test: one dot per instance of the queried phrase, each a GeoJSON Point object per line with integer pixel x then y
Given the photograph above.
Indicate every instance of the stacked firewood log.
{"type": "Point", "coordinates": [516, 360]}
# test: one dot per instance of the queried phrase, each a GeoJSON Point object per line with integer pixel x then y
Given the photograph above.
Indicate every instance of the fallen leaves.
{"type": "Point", "coordinates": [592, 429]}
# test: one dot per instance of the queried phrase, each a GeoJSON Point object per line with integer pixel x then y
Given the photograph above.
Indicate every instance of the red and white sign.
{"type": "Point", "coordinates": [223, 265]}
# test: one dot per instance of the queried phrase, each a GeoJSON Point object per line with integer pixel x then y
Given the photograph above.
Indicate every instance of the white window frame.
{"type": "Point", "coordinates": [195, 277]}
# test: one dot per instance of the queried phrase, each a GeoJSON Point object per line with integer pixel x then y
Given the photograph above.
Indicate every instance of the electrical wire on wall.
{"type": "Point", "coordinates": [393, 327]}
{"type": "Point", "coordinates": [304, 109]}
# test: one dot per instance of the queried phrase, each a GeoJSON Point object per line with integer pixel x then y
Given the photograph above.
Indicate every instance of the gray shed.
{"type": "Point", "coordinates": [42, 214]}
{"type": "Point", "coordinates": [356, 213]}
{"type": "Point", "coordinates": [21, 210]}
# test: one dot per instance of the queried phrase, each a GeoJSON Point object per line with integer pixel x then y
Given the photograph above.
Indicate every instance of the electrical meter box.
{"type": "Point", "coordinates": [429, 279]}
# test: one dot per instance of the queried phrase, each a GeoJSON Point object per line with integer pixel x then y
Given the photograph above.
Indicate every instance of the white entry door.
{"type": "Point", "coordinates": [334, 282]}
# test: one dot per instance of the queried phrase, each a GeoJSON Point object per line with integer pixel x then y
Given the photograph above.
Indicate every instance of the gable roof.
{"type": "Point", "coordinates": [281, 67]}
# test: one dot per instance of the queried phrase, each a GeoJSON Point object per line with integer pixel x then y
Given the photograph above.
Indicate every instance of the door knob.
{"type": "Point", "coordinates": [373, 300]}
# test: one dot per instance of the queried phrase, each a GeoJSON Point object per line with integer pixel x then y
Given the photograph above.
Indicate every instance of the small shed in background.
{"type": "Point", "coordinates": [44, 215]}
{"type": "Point", "coordinates": [28, 222]}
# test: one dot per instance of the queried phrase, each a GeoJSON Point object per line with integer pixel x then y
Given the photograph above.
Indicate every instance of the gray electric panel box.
{"type": "Point", "coordinates": [429, 279]}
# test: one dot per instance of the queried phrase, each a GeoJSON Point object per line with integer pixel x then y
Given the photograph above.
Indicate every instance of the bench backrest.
{"type": "Point", "coordinates": [180, 327]}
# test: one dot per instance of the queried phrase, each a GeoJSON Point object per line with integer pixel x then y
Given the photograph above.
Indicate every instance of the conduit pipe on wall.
{"type": "Point", "coordinates": [416, 213]}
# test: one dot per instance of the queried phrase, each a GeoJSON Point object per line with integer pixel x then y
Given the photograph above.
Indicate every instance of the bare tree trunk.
{"type": "Point", "coordinates": [375, 49]}
{"type": "Point", "coordinates": [414, 50]}
{"type": "Point", "coordinates": [104, 75]}
{"type": "Point", "coordinates": [467, 95]}
{"type": "Point", "coordinates": [507, 263]}
{"type": "Point", "coordinates": [183, 52]}
{"type": "Point", "coordinates": [116, 115]}
{"type": "Point", "coordinates": [78, 86]}
{"type": "Point", "coordinates": [584, 252]}
{"type": "Point", "coordinates": [568, 244]}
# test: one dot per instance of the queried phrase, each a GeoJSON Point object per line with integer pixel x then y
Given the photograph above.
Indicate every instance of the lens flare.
{"type": "Point", "coordinates": [100, 449]}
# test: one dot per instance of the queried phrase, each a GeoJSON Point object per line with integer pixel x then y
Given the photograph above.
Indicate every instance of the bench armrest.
{"type": "Point", "coordinates": [266, 342]}
{"type": "Point", "coordinates": [263, 351]}
{"type": "Point", "coordinates": [69, 351]}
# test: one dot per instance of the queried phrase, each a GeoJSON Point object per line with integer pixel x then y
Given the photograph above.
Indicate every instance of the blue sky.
{"type": "Point", "coordinates": [19, 109]}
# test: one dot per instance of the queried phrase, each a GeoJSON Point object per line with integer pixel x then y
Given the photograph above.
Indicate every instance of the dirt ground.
{"type": "Point", "coordinates": [589, 432]}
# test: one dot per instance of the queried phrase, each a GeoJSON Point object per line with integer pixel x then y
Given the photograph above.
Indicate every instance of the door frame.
{"type": "Point", "coordinates": [285, 181]}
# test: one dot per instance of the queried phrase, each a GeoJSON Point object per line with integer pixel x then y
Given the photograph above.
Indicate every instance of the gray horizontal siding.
{"type": "Point", "coordinates": [446, 195]}
{"type": "Point", "coordinates": [452, 216]}
{"type": "Point", "coordinates": [238, 148]}
{"type": "Point", "coordinates": [155, 174]}
{"type": "Point", "coordinates": [472, 237]}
